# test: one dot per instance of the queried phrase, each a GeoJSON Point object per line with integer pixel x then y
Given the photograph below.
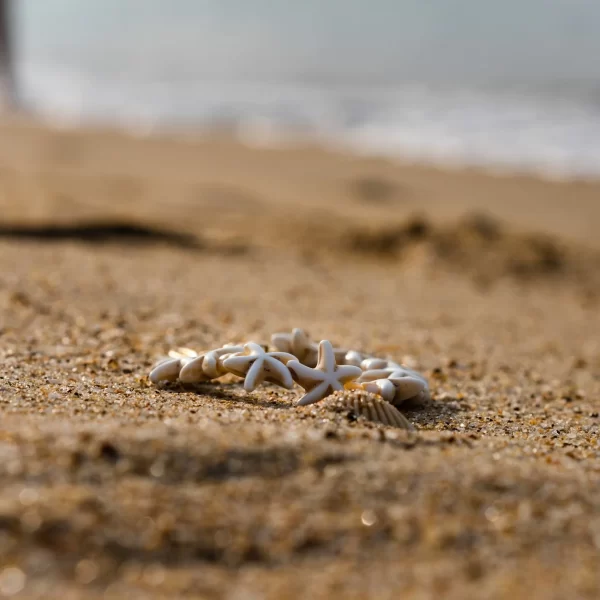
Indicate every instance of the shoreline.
{"type": "Point", "coordinates": [269, 139]}
{"type": "Point", "coordinates": [356, 187]}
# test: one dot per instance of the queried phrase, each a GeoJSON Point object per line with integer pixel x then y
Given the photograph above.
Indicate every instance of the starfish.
{"type": "Point", "coordinates": [212, 366]}
{"type": "Point", "coordinates": [408, 383]}
{"type": "Point", "coordinates": [408, 387]}
{"type": "Point", "coordinates": [371, 363]}
{"type": "Point", "coordinates": [367, 362]}
{"type": "Point", "coordinates": [352, 357]}
{"type": "Point", "coordinates": [383, 387]}
{"type": "Point", "coordinates": [166, 370]}
{"type": "Point", "coordinates": [325, 378]}
{"type": "Point", "coordinates": [389, 373]}
{"type": "Point", "coordinates": [258, 365]}
{"type": "Point", "coordinates": [193, 371]}
{"type": "Point", "coordinates": [300, 345]}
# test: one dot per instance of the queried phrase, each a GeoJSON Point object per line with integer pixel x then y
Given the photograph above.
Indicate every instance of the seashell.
{"type": "Point", "coordinates": [383, 387]}
{"type": "Point", "coordinates": [368, 405]}
{"type": "Point", "coordinates": [166, 370]}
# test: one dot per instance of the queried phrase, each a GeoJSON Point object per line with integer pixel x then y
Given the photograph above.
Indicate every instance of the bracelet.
{"type": "Point", "coordinates": [320, 369]}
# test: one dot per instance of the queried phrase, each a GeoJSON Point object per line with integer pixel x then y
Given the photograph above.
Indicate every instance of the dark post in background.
{"type": "Point", "coordinates": [8, 97]}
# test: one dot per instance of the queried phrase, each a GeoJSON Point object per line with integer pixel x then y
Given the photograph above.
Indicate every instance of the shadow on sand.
{"type": "Point", "coordinates": [101, 233]}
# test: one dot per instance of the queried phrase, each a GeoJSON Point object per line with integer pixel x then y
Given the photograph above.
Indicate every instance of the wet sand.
{"type": "Point", "coordinates": [115, 248]}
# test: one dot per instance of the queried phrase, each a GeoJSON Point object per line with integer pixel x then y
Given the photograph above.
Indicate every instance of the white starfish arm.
{"type": "Point", "coordinates": [316, 394]}
{"type": "Point", "coordinates": [407, 387]}
{"type": "Point", "coordinates": [387, 390]}
{"type": "Point", "coordinates": [305, 350]}
{"type": "Point", "coordinates": [371, 363]}
{"type": "Point", "coordinates": [345, 373]}
{"type": "Point", "coordinates": [238, 365]}
{"type": "Point", "coordinates": [336, 386]}
{"type": "Point", "coordinates": [354, 358]}
{"type": "Point", "coordinates": [310, 357]}
{"type": "Point", "coordinates": [384, 387]}
{"type": "Point", "coordinates": [254, 348]}
{"type": "Point", "coordinates": [424, 395]}
{"type": "Point", "coordinates": [284, 357]}
{"type": "Point", "coordinates": [374, 374]}
{"type": "Point", "coordinates": [278, 371]}
{"type": "Point", "coordinates": [210, 365]}
{"type": "Point", "coordinates": [300, 340]}
{"type": "Point", "coordinates": [254, 375]}
{"type": "Point", "coordinates": [326, 357]}
{"type": "Point", "coordinates": [167, 370]}
{"type": "Point", "coordinates": [192, 372]}
{"type": "Point", "coordinates": [303, 372]}
{"type": "Point", "coordinates": [394, 365]}
{"type": "Point", "coordinates": [211, 360]}
{"type": "Point", "coordinates": [406, 372]}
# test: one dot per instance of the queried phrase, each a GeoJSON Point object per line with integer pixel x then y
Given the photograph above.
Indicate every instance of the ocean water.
{"type": "Point", "coordinates": [511, 85]}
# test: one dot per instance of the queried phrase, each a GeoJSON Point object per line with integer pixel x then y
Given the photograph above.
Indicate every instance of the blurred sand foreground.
{"type": "Point", "coordinates": [114, 249]}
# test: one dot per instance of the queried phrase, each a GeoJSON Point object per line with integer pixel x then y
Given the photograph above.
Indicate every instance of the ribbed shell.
{"type": "Point", "coordinates": [371, 406]}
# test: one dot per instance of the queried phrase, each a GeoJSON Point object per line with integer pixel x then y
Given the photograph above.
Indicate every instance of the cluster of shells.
{"type": "Point", "coordinates": [376, 386]}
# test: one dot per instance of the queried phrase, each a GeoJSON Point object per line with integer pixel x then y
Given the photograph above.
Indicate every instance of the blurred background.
{"type": "Point", "coordinates": [127, 230]}
{"type": "Point", "coordinates": [510, 85]}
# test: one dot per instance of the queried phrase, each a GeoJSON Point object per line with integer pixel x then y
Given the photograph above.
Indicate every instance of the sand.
{"type": "Point", "coordinates": [115, 247]}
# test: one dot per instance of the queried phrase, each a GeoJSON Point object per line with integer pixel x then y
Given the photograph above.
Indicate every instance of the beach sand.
{"type": "Point", "coordinates": [115, 248]}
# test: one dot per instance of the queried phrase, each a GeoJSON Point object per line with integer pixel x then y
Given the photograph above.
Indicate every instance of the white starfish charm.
{"type": "Point", "coordinates": [327, 377]}
{"type": "Point", "coordinates": [258, 365]}
{"type": "Point", "coordinates": [320, 369]}
{"type": "Point", "coordinates": [300, 345]}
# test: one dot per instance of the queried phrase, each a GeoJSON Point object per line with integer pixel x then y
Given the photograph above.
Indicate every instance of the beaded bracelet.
{"type": "Point", "coordinates": [320, 369]}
